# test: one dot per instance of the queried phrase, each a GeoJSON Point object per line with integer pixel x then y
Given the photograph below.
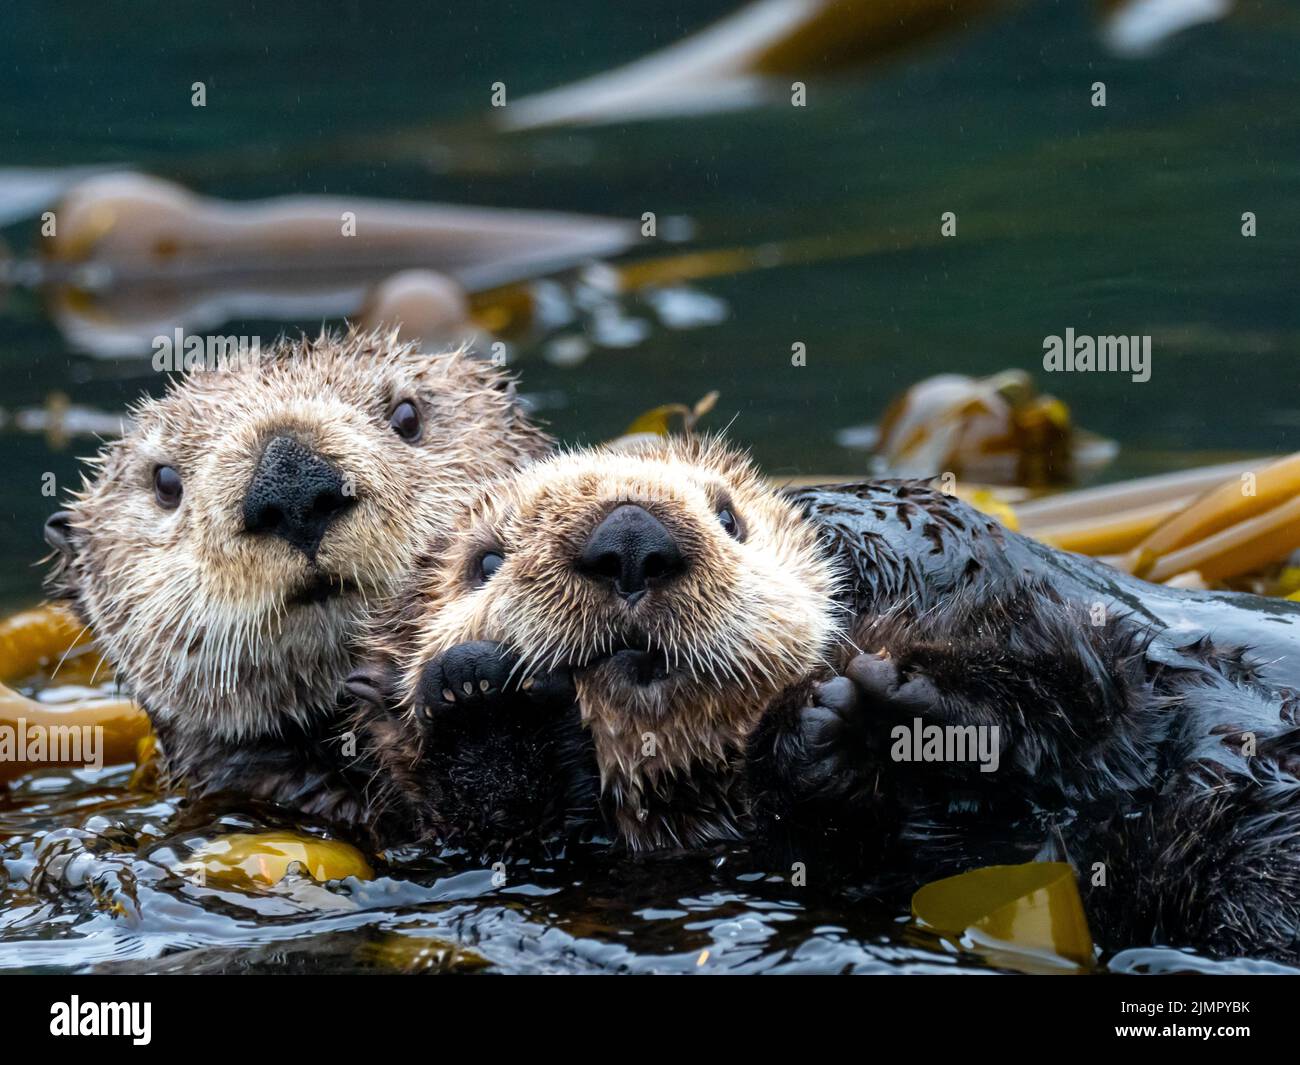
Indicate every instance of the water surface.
{"type": "Point", "coordinates": [1122, 220]}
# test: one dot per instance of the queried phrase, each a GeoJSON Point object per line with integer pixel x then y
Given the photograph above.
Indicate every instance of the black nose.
{"type": "Point", "coordinates": [58, 531]}
{"type": "Point", "coordinates": [631, 548]}
{"type": "Point", "coordinates": [295, 495]}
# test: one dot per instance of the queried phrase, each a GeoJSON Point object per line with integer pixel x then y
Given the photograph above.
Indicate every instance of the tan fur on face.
{"type": "Point", "coordinates": [746, 620]}
{"type": "Point", "coordinates": [196, 614]}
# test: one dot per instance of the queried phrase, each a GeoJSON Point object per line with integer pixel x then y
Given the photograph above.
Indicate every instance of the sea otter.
{"type": "Point", "coordinates": [702, 615]}
{"type": "Point", "coordinates": [225, 550]}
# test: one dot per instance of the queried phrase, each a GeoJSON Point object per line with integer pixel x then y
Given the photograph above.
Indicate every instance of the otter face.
{"type": "Point", "coordinates": [683, 591]}
{"type": "Point", "coordinates": [227, 546]}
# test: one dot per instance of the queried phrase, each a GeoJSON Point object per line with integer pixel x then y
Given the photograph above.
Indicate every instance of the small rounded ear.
{"type": "Point", "coordinates": [58, 533]}
{"type": "Point", "coordinates": [370, 685]}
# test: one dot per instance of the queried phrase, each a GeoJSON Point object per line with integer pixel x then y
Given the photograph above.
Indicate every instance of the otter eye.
{"type": "Point", "coordinates": [167, 487]}
{"type": "Point", "coordinates": [405, 421]}
{"type": "Point", "coordinates": [489, 564]}
{"type": "Point", "coordinates": [729, 523]}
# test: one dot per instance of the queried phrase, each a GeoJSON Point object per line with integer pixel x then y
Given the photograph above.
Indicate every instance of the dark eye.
{"type": "Point", "coordinates": [729, 523]}
{"type": "Point", "coordinates": [167, 487]}
{"type": "Point", "coordinates": [489, 564]}
{"type": "Point", "coordinates": [405, 421]}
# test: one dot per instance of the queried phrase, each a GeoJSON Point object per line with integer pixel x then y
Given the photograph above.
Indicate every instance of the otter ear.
{"type": "Point", "coordinates": [58, 533]}
{"type": "Point", "coordinates": [370, 686]}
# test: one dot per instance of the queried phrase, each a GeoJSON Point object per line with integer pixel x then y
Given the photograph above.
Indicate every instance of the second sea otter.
{"type": "Point", "coordinates": [700, 615]}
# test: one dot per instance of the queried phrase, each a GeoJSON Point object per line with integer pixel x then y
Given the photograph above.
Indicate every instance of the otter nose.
{"type": "Point", "coordinates": [631, 548]}
{"type": "Point", "coordinates": [294, 494]}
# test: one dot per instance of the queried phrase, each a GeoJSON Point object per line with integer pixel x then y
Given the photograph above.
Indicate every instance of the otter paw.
{"type": "Point", "coordinates": [481, 674]}
{"type": "Point", "coordinates": [469, 675]}
{"type": "Point", "coordinates": [825, 729]}
{"type": "Point", "coordinates": [879, 680]}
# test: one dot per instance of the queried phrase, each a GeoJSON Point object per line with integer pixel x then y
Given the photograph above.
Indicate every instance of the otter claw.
{"type": "Point", "coordinates": [482, 674]}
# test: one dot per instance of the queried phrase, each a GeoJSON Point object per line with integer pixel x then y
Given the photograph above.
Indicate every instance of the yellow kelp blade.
{"type": "Point", "coordinates": [1233, 552]}
{"type": "Point", "coordinates": [89, 732]}
{"type": "Point", "coordinates": [262, 859]}
{"type": "Point", "coordinates": [1032, 909]}
{"type": "Point", "coordinates": [987, 502]}
{"type": "Point", "coordinates": [1115, 518]}
{"type": "Point", "coordinates": [1110, 535]}
{"type": "Point", "coordinates": [38, 640]}
{"type": "Point", "coordinates": [98, 731]}
{"type": "Point", "coordinates": [1257, 502]}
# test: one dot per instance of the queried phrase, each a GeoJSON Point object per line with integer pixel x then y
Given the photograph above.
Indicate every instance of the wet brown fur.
{"type": "Point", "coordinates": [747, 619]}
{"type": "Point", "coordinates": [198, 618]}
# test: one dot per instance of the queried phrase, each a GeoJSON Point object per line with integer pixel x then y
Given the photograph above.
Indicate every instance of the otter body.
{"type": "Point", "coordinates": [1151, 730]}
{"type": "Point", "coordinates": [226, 550]}
{"type": "Point", "coordinates": [708, 625]}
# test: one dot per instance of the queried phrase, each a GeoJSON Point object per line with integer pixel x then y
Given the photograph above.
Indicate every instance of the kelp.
{"type": "Point", "coordinates": [134, 256]}
{"type": "Point", "coordinates": [251, 860]}
{"type": "Point", "coordinates": [993, 430]}
{"type": "Point", "coordinates": [1031, 912]}
{"type": "Point", "coordinates": [747, 58]}
{"type": "Point", "coordinates": [49, 642]}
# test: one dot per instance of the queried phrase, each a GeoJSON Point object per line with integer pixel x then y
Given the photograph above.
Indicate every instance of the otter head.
{"type": "Point", "coordinates": [224, 549]}
{"type": "Point", "coordinates": [681, 588]}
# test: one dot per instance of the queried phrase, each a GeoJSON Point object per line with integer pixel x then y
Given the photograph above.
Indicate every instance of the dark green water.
{"type": "Point", "coordinates": [1117, 220]}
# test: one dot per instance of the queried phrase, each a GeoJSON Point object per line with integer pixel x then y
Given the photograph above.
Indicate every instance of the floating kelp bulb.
{"type": "Point", "coordinates": [35, 641]}
{"type": "Point", "coordinates": [246, 859]}
{"type": "Point", "coordinates": [659, 421]}
{"type": "Point", "coordinates": [27, 190]}
{"type": "Point", "coordinates": [424, 305]}
{"type": "Point", "coordinates": [1032, 909]}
